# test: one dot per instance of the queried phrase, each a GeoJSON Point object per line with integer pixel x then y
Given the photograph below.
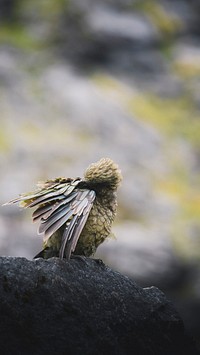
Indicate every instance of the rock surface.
{"type": "Point", "coordinates": [83, 307]}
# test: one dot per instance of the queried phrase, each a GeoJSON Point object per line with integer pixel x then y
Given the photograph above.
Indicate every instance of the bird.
{"type": "Point", "coordinates": [75, 214]}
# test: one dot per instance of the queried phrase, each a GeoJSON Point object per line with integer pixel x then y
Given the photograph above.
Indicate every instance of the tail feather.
{"type": "Point", "coordinates": [40, 255]}
{"type": "Point", "coordinates": [47, 253]}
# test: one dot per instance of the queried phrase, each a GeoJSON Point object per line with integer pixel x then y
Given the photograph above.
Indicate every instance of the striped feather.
{"type": "Point", "coordinates": [54, 227]}
{"type": "Point", "coordinates": [73, 231]}
{"type": "Point", "coordinates": [58, 202]}
{"type": "Point", "coordinates": [67, 235]}
{"type": "Point", "coordinates": [41, 212]}
{"type": "Point", "coordinates": [46, 223]}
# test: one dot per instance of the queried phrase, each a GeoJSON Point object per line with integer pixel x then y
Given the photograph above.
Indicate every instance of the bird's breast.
{"type": "Point", "coordinates": [97, 227]}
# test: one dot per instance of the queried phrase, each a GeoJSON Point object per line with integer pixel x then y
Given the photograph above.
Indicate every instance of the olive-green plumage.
{"type": "Point", "coordinates": [75, 214]}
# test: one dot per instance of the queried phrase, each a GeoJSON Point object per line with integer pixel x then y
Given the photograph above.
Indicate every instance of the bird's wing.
{"type": "Point", "coordinates": [47, 190]}
{"type": "Point", "coordinates": [81, 207]}
{"type": "Point", "coordinates": [58, 202]}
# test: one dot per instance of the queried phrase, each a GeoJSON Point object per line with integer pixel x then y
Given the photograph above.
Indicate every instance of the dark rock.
{"type": "Point", "coordinates": [103, 34]}
{"type": "Point", "coordinates": [7, 9]}
{"type": "Point", "coordinates": [83, 307]}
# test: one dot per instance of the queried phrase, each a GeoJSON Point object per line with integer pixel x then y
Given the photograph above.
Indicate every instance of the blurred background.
{"type": "Point", "coordinates": [85, 79]}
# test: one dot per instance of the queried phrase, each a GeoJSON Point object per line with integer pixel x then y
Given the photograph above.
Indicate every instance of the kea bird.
{"type": "Point", "coordinates": [75, 215]}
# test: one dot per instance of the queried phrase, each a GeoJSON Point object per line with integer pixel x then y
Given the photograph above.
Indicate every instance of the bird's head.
{"type": "Point", "coordinates": [105, 171]}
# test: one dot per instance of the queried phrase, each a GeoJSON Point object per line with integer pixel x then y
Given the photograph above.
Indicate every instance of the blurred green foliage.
{"type": "Point", "coordinates": [173, 116]}
{"type": "Point", "coordinates": [17, 35]}
{"type": "Point", "coordinates": [166, 23]}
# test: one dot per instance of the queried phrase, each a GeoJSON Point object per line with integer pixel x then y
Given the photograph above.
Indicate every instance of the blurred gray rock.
{"type": "Point", "coordinates": [108, 23]}
{"type": "Point", "coordinates": [144, 254]}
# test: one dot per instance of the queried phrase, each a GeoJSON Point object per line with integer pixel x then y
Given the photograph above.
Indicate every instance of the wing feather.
{"type": "Point", "coordinates": [58, 202]}
{"type": "Point", "coordinates": [48, 189]}
{"type": "Point", "coordinates": [67, 234]}
{"type": "Point", "coordinates": [54, 227]}
{"type": "Point", "coordinates": [46, 223]}
{"type": "Point", "coordinates": [41, 212]}
{"type": "Point", "coordinates": [46, 211]}
{"type": "Point", "coordinates": [73, 231]}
